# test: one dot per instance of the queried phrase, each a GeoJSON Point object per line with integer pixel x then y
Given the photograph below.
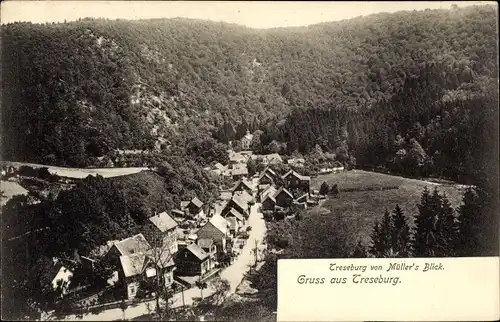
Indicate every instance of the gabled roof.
{"type": "Point", "coordinates": [233, 223]}
{"type": "Point", "coordinates": [269, 158]}
{"type": "Point", "coordinates": [197, 251]}
{"type": "Point", "coordinates": [235, 213]}
{"type": "Point", "coordinates": [205, 242]}
{"type": "Point", "coordinates": [133, 265]}
{"type": "Point", "coordinates": [282, 190]}
{"type": "Point", "coordinates": [133, 245]}
{"type": "Point", "coordinates": [239, 201]}
{"type": "Point", "coordinates": [163, 221]}
{"type": "Point", "coordinates": [269, 171]}
{"type": "Point", "coordinates": [239, 169]}
{"type": "Point", "coordinates": [197, 202]}
{"type": "Point", "coordinates": [220, 166]}
{"type": "Point", "coordinates": [265, 174]}
{"type": "Point", "coordinates": [226, 195]}
{"type": "Point", "coordinates": [244, 196]}
{"type": "Point", "coordinates": [178, 212]}
{"type": "Point", "coordinates": [269, 196]}
{"type": "Point", "coordinates": [219, 222]}
{"type": "Point", "coordinates": [246, 183]}
{"type": "Point", "coordinates": [304, 197]}
{"type": "Point", "coordinates": [184, 204]}
{"type": "Point", "coordinates": [269, 191]}
{"type": "Point", "coordinates": [296, 174]}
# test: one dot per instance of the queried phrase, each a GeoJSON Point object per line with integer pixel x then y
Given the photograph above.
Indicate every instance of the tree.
{"type": "Point", "coordinates": [381, 236]}
{"type": "Point", "coordinates": [415, 159]}
{"type": "Point", "coordinates": [470, 224]}
{"type": "Point", "coordinates": [334, 190]}
{"type": "Point", "coordinates": [274, 147]}
{"type": "Point", "coordinates": [424, 240]}
{"type": "Point", "coordinates": [446, 229]}
{"type": "Point", "coordinates": [324, 189]}
{"type": "Point", "coordinates": [160, 260]}
{"type": "Point", "coordinates": [401, 234]}
{"type": "Point", "coordinates": [213, 304]}
{"type": "Point", "coordinates": [360, 251]}
{"type": "Point", "coordinates": [201, 285]}
{"type": "Point", "coordinates": [256, 145]}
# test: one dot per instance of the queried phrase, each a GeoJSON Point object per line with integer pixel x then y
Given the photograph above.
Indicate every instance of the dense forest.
{"type": "Point", "coordinates": [73, 92]}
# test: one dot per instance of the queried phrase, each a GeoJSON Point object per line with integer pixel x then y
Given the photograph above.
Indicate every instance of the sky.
{"type": "Point", "coordinates": [265, 14]}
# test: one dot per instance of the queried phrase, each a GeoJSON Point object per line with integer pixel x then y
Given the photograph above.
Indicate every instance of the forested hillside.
{"type": "Point", "coordinates": [75, 91]}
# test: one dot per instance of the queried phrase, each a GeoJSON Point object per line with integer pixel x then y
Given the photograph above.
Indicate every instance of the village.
{"type": "Point", "coordinates": [188, 246]}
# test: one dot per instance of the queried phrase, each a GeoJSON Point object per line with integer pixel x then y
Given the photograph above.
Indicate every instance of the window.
{"type": "Point", "coordinates": [132, 290]}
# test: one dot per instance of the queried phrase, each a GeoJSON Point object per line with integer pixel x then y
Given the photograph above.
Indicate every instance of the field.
{"type": "Point", "coordinates": [364, 196]}
{"type": "Point", "coordinates": [82, 173]}
{"type": "Point", "coordinates": [9, 190]}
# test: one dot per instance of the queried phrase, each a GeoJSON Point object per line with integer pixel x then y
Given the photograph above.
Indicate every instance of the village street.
{"type": "Point", "coordinates": [234, 274]}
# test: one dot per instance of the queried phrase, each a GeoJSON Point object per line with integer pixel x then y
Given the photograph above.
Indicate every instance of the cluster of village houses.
{"type": "Point", "coordinates": [191, 243]}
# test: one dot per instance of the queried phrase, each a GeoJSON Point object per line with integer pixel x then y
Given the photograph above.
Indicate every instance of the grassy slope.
{"type": "Point", "coordinates": [364, 207]}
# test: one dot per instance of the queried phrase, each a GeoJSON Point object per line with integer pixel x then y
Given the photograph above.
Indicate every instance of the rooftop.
{"type": "Point", "coordinates": [163, 222]}
{"type": "Point", "coordinates": [132, 245]}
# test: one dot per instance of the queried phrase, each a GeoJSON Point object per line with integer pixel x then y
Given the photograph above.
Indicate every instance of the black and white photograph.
{"type": "Point", "coordinates": [158, 158]}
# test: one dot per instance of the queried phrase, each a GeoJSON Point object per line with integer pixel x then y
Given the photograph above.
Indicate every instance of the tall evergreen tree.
{"type": "Point", "coordinates": [381, 237]}
{"type": "Point", "coordinates": [446, 229]}
{"type": "Point", "coordinates": [469, 225]}
{"type": "Point", "coordinates": [401, 233]}
{"type": "Point", "coordinates": [423, 242]}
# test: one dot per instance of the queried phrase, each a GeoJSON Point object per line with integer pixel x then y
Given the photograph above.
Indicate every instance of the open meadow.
{"type": "Point", "coordinates": [364, 196]}
{"type": "Point", "coordinates": [80, 173]}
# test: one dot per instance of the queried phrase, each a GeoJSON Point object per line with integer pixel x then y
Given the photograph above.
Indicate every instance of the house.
{"type": "Point", "coordinates": [246, 140]}
{"type": "Point", "coordinates": [267, 198]}
{"type": "Point", "coordinates": [239, 171]}
{"type": "Point", "coordinates": [261, 188]}
{"type": "Point", "coordinates": [237, 157]}
{"type": "Point", "coordinates": [272, 158]}
{"type": "Point", "coordinates": [304, 201]}
{"type": "Point", "coordinates": [270, 190]}
{"type": "Point", "coordinates": [54, 274]}
{"type": "Point", "coordinates": [234, 225]}
{"type": "Point", "coordinates": [162, 227]}
{"type": "Point", "coordinates": [244, 196]}
{"type": "Point", "coordinates": [207, 244]}
{"type": "Point", "coordinates": [193, 208]}
{"type": "Point", "coordinates": [218, 169]}
{"type": "Point", "coordinates": [144, 269]}
{"type": "Point", "coordinates": [243, 185]}
{"type": "Point", "coordinates": [265, 179]}
{"type": "Point", "coordinates": [296, 162]}
{"type": "Point", "coordinates": [192, 260]}
{"type": "Point", "coordinates": [137, 263]}
{"type": "Point", "coordinates": [178, 215]}
{"type": "Point", "coordinates": [226, 195]}
{"type": "Point", "coordinates": [217, 230]}
{"type": "Point", "coordinates": [283, 198]}
{"type": "Point", "coordinates": [295, 180]}
{"type": "Point", "coordinates": [239, 203]}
